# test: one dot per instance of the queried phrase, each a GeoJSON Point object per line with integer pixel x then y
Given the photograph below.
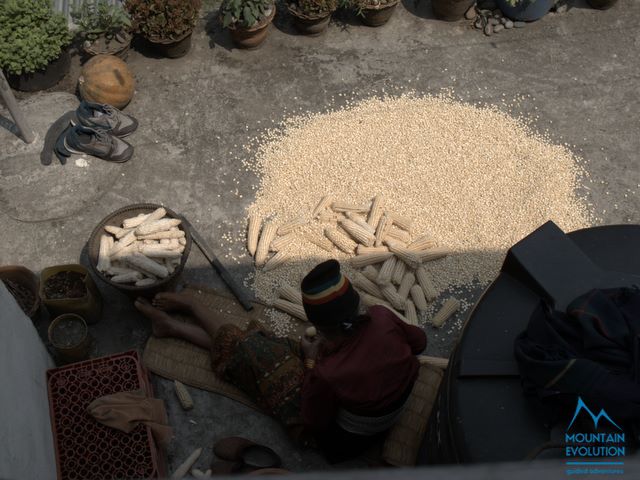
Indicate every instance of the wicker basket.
{"type": "Point", "coordinates": [116, 218]}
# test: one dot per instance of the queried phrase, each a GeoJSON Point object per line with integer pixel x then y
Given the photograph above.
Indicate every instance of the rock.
{"type": "Point", "coordinates": [519, 24]}
{"type": "Point", "coordinates": [508, 24]}
{"type": "Point", "coordinates": [503, 20]}
{"type": "Point", "coordinates": [497, 28]}
{"type": "Point", "coordinates": [478, 23]}
{"type": "Point", "coordinates": [562, 8]}
{"type": "Point", "coordinates": [494, 21]}
{"type": "Point", "coordinates": [488, 30]}
{"type": "Point", "coordinates": [471, 13]}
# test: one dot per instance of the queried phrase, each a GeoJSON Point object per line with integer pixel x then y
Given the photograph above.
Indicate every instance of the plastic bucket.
{"type": "Point", "coordinates": [76, 351]}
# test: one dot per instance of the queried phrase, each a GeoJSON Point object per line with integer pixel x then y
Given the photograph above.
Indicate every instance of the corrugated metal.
{"type": "Point", "coordinates": [65, 6]}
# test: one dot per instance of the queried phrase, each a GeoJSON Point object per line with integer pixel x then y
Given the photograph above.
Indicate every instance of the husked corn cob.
{"type": "Point", "coordinates": [360, 261]}
{"type": "Point", "coordinates": [417, 295]}
{"type": "Point", "coordinates": [319, 240]}
{"type": "Point", "coordinates": [322, 206]}
{"type": "Point", "coordinates": [182, 241]}
{"type": "Point", "coordinates": [370, 301]}
{"type": "Point", "coordinates": [412, 259]}
{"type": "Point", "coordinates": [139, 261]}
{"type": "Point", "coordinates": [159, 251]}
{"type": "Point", "coordinates": [157, 214]}
{"type": "Point", "coordinates": [266, 237]}
{"type": "Point", "coordinates": [183, 395]}
{"type": "Point", "coordinates": [438, 362]}
{"type": "Point", "coordinates": [357, 232]}
{"type": "Point", "coordinates": [402, 222]}
{"type": "Point", "coordinates": [423, 242]}
{"type": "Point", "coordinates": [114, 270]}
{"type": "Point", "coordinates": [291, 308]}
{"type": "Point", "coordinates": [362, 250]}
{"type": "Point", "coordinates": [104, 261]}
{"type": "Point", "coordinates": [398, 273]}
{"type": "Point", "coordinates": [125, 241]}
{"type": "Point", "coordinates": [165, 241]}
{"type": "Point", "coordinates": [363, 283]}
{"type": "Point", "coordinates": [381, 230]}
{"type": "Point", "coordinates": [425, 282]}
{"type": "Point", "coordinates": [145, 282]}
{"type": "Point", "coordinates": [253, 231]}
{"type": "Point", "coordinates": [340, 240]}
{"type": "Point", "coordinates": [127, 277]}
{"type": "Point", "coordinates": [157, 226]}
{"type": "Point", "coordinates": [291, 225]}
{"type": "Point", "coordinates": [408, 281]}
{"type": "Point", "coordinates": [133, 222]}
{"type": "Point", "coordinates": [347, 207]}
{"type": "Point", "coordinates": [354, 217]}
{"type": "Point", "coordinates": [291, 294]}
{"type": "Point", "coordinates": [179, 234]}
{"type": "Point", "coordinates": [371, 273]}
{"type": "Point", "coordinates": [391, 294]}
{"type": "Point", "coordinates": [123, 252]}
{"type": "Point", "coordinates": [376, 211]}
{"type": "Point", "coordinates": [433, 254]}
{"type": "Point", "coordinates": [395, 233]}
{"type": "Point", "coordinates": [329, 217]}
{"type": "Point", "coordinates": [114, 230]}
{"type": "Point", "coordinates": [410, 312]}
{"type": "Point", "coordinates": [449, 307]}
{"type": "Point", "coordinates": [386, 271]}
{"type": "Point", "coordinates": [310, 332]}
{"type": "Point", "coordinates": [277, 260]}
{"type": "Point", "coordinates": [283, 242]}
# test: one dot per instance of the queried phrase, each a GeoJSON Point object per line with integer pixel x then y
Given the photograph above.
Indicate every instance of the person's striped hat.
{"type": "Point", "coordinates": [328, 296]}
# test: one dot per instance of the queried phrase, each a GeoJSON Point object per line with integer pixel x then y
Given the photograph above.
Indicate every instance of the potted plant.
{"type": "Point", "coordinates": [602, 4]}
{"type": "Point", "coordinates": [311, 17]}
{"type": "Point", "coordinates": [372, 12]}
{"type": "Point", "coordinates": [33, 44]}
{"type": "Point", "coordinates": [247, 20]}
{"type": "Point", "coordinates": [525, 10]}
{"type": "Point", "coordinates": [166, 24]}
{"type": "Point", "coordinates": [103, 27]}
{"type": "Point", "coordinates": [451, 10]}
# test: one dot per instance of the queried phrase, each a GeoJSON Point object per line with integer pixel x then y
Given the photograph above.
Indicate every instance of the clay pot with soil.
{"type": "Point", "coordinates": [24, 286]}
{"type": "Point", "coordinates": [248, 21]}
{"type": "Point", "coordinates": [375, 13]}
{"type": "Point", "coordinates": [451, 10]}
{"type": "Point", "coordinates": [69, 336]}
{"type": "Point", "coordinates": [103, 28]}
{"type": "Point", "coordinates": [70, 289]}
{"type": "Point", "coordinates": [312, 17]}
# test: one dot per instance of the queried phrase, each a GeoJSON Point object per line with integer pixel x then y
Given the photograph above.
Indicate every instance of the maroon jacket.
{"type": "Point", "coordinates": [369, 372]}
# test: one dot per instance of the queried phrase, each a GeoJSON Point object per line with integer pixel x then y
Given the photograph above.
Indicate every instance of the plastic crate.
{"type": "Point", "coordinates": [86, 449]}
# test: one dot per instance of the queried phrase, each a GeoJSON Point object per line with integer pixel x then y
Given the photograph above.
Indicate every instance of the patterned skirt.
{"type": "Point", "coordinates": [266, 368]}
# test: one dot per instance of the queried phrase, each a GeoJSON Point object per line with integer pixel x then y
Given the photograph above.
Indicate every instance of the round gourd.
{"type": "Point", "coordinates": [106, 79]}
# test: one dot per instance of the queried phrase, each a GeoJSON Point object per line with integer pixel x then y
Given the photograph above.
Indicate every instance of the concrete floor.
{"type": "Point", "coordinates": [578, 73]}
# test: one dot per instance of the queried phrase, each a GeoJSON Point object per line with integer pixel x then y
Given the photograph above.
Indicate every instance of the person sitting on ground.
{"type": "Point", "coordinates": [347, 386]}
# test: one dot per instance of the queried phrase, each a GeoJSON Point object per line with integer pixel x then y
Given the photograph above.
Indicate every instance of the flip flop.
{"type": "Point", "coordinates": [250, 454]}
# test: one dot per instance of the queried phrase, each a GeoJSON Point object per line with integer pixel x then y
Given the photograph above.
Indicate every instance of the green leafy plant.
{"type": "Point", "coordinates": [163, 19]}
{"type": "Point", "coordinates": [316, 7]}
{"type": "Point", "coordinates": [360, 5]}
{"type": "Point", "coordinates": [244, 13]}
{"type": "Point", "coordinates": [31, 35]}
{"type": "Point", "coordinates": [96, 18]}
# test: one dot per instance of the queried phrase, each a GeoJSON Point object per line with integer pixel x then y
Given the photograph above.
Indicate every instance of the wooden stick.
{"type": "Point", "coordinates": [19, 119]}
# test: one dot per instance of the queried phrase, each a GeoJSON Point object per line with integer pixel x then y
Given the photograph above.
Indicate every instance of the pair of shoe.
{"type": "Point", "coordinates": [99, 133]}
{"type": "Point", "coordinates": [240, 455]}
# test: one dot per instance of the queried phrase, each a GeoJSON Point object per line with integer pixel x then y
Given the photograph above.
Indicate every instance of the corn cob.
{"type": "Point", "coordinates": [381, 230]}
{"type": "Point", "coordinates": [398, 273]}
{"type": "Point", "coordinates": [283, 242]}
{"type": "Point", "coordinates": [403, 222]}
{"type": "Point", "coordinates": [114, 230]}
{"type": "Point", "coordinates": [417, 295]}
{"type": "Point", "coordinates": [157, 226]}
{"type": "Point", "coordinates": [157, 214]}
{"type": "Point", "coordinates": [425, 282]}
{"type": "Point", "coordinates": [103, 254]}
{"type": "Point", "coordinates": [340, 240]}
{"type": "Point", "coordinates": [395, 233]}
{"type": "Point", "coordinates": [291, 225]}
{"type": "Point", "coordinates": [253, 230]}
{"type": "Point", "coordinates": [127, 277]}
{"type": "Point", "coordinates": [266, 237]}
{"type": "Point", "coordinates": [423, 242]}
{"type": "Point", "coordinates": [390, 293]}
{"type": "Point", "coordinates": [360, 261]}
{"type": "Point", "coordinates": [370, 300]}
{"type": "Point", "coordinates": [125, 241]}
{"type": "Point", "coordinates": [371, 273]}
{"type": "Point", "coordinates": [115, 270]}
{"type": "Point", "coordinates": [386, 271]}
{"type": "Point", "coordinates": [376, 211]}
{"type": "Point", "coordinates": [291, 294]}
{"type": "Point", "coordinates": [354, 217]}
{"type": "Point", "coordinates": [362, 250]}
{"type": "Point", "coordinates": [347, 207]}
{"type": "Point", "coordinates": [310, 332]}
{"type": "Point", "coordinates": [133, 222]}
{"type": "Point", "coordinates": [179, 234]}
{"type": "Point", "coordinates": [438, 362]}
{"type": "Point", "coordinates": [182, 241]}
{"type": "Point", "coordinates": [111, 242]}
{"type": "Point", "coordinates": [159, 251]}
{"type": "Point", "coordinates": [363, 283]}
{"type": "Point", "coordinates": [408, 281]}
{"type": "Point", "coordinates": [410, 312]}
{"type": "Point", "coordinates": [165, 241]}
{"type": "Point", "coordinates": [183, 395]}
{"type": "Point", "coordinates": [412, 259]}
{"type": "Point", "coordinates": [319, 240]}
{"type": "Point", "coordinates": [449, 307]}
{"type": "Point", "coordinates": [277, 260]}
{"type": "Point", "coordinates": [291, 308]}
{"type": "Point", "coordinates": [145, 282]}
{"type": "Point", "coordinates": [358, 233]}
{"type": "Point", "coordinates": [123, 252]}
{"type": "Point", "coordinates": [322, 206]}
{"type": "Point", "coordinates": [174, 244]}
{"type": "Point", "coordinates": [140, 262]}
{"type": "Point", "coordinates": [185, 466]}
{"type": "Point", "coordinates": [433, 254]}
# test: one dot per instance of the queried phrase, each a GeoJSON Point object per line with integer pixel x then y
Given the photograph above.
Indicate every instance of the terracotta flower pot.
{"type": "Point", "coordinates": [377, 15]}
{"type": "Point", "coordinates": [311, 25]}
{"type": "Point", "coordinates": [73, 349]}
{"type": "Point", "coordinates": [450, 10]}
{"type": "Point", "coordinates": [43, 79]}
{"type": "Point", "coordinates": [252, 37]}
{"type": "Point", "coordinates": [172, 48]}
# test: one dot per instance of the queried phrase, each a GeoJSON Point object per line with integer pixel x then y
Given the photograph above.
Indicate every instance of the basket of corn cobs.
{"type": "Point", "coordinates": [140, 249]}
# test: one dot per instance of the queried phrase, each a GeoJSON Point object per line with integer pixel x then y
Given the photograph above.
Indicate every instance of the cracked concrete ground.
{"type": "Point", "coordinates": [579, 74]}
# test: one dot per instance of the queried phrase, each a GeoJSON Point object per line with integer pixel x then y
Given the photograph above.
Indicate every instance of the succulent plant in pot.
{"type": "Point", "coordinates": [103, 27]}
{"type": "Point", "coordinates": [247, 20]}
{"type": "Point", "coordinates": [166, 24]}
{"type": "Point", "coordinates": [373, 13]}
{"type": "Point", "coordinates": [33, 44]}
{"type": "Point", "coordinates": [525, 10]}
{"type": "Point", "coordinates": [311, 17]}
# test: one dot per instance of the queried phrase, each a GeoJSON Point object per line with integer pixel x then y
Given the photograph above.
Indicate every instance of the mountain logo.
{"type": "Point", "coordinates": [596, 418]}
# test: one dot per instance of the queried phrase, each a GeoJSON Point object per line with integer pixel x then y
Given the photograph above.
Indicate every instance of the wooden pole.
{"type": "Point", "coordinates": [12, 105]}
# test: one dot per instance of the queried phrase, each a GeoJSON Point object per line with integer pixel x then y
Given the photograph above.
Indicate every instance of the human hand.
{"type": "Point", "coordinates": [310, 346]}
